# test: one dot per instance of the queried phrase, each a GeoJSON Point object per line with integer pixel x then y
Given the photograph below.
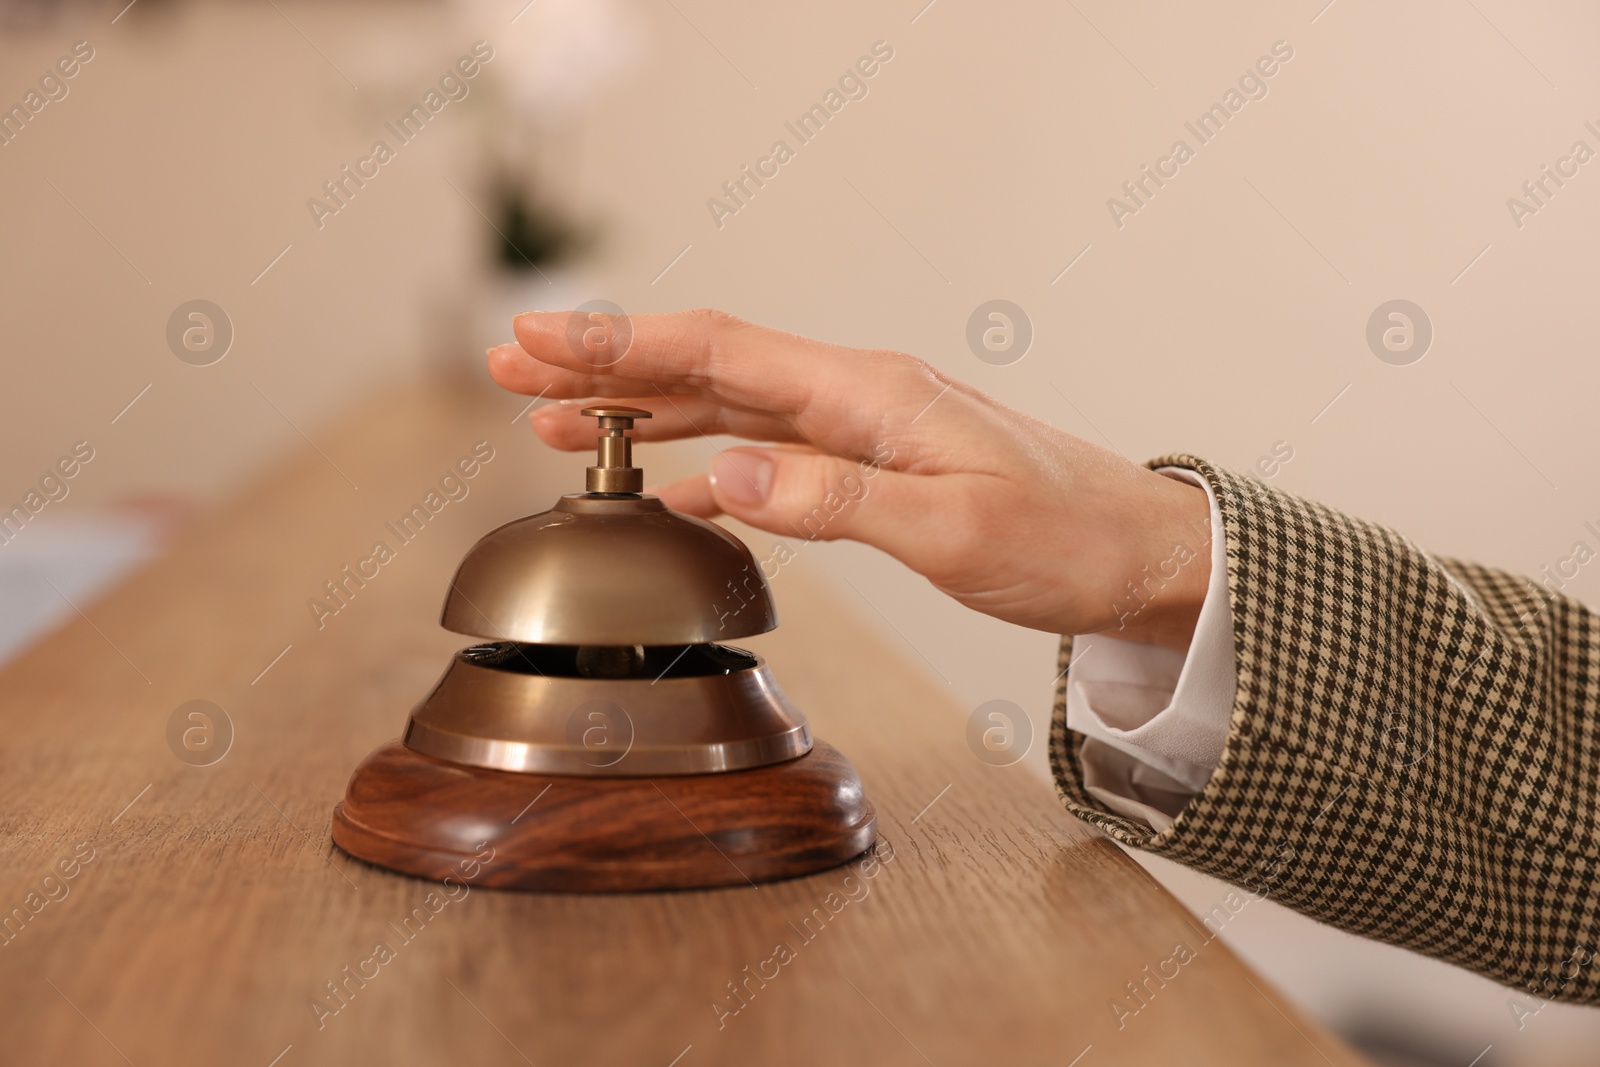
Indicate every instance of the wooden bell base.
{"type": "Point", "coordinates": [567, 833]}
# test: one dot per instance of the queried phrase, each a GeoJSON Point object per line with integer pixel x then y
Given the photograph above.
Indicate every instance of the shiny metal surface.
{"type": "Point", "coordinates": [614, 471]}
{"type": "Point", "coordinates": [488, 715]}
{"type": "Point", "coordinates": [609, 570]}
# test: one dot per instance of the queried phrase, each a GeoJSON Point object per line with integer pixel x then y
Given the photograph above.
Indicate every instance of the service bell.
{"type": "Point", "coordinates": [603, 738]}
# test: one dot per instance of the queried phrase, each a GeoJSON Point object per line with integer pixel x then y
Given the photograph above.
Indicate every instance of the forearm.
{"type": "Point", "coordinates": [1411, 753]}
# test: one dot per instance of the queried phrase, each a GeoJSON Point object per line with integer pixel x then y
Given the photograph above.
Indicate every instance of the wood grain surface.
{"type": "Point", "coordinates": [208, 919]}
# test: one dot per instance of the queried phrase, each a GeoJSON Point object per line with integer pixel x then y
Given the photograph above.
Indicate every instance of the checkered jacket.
{"type": "Point", "coordinates": [1414, 752]}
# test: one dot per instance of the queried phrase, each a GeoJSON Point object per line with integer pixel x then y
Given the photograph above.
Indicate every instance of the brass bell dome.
{"type": "Point", "coordinates": [606, 616]}
{"type": "Point", "coordinates": [610, 568]}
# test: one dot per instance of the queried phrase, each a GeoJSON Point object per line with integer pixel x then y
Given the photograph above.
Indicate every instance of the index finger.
{"type": "Point", "coordinates": [840, 399]}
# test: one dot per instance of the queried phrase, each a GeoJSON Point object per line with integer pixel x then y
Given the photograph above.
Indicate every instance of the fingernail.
{"type": "Point", "coordinates": [742, 477]}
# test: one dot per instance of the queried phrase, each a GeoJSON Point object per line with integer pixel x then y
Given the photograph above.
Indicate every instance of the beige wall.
{"type": "Point", "coordinates": [191, 142]}
{"type": "Point", "coordinates": [1220, 319]}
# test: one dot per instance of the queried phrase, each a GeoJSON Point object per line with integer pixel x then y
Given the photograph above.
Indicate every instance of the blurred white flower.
{"type": "Point", "coordinates": [557, 53]}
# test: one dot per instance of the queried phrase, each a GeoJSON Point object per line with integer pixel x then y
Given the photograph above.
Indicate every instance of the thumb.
{"type": "Point", "coordinates": [805, 494]}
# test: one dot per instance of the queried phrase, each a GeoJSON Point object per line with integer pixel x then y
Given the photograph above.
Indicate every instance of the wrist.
{"type": "Point", "coordinates": [1167, 574]}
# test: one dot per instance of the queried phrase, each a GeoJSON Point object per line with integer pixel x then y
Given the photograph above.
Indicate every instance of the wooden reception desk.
{"type": "Point", "coordinates": [208, 919]}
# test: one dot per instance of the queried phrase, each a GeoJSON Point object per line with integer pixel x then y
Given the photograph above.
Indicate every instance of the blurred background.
{"type": "Point", "coordinates": [193, 282]}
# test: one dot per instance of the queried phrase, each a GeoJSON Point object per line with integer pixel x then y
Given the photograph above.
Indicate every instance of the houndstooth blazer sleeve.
{"type": "Point", "coordinates": [1414, 749]}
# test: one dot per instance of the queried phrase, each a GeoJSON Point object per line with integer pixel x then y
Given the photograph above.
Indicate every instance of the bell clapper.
{"type": "Point", "coordinates": [610, 661]}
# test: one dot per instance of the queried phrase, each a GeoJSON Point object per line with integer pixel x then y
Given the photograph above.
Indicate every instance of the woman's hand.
{"type": "Point", "coordinates": [1005, 513]}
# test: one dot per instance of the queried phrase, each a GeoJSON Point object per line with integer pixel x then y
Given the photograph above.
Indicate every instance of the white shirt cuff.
{"type": "Point", "coordinates": [1156, 720]}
